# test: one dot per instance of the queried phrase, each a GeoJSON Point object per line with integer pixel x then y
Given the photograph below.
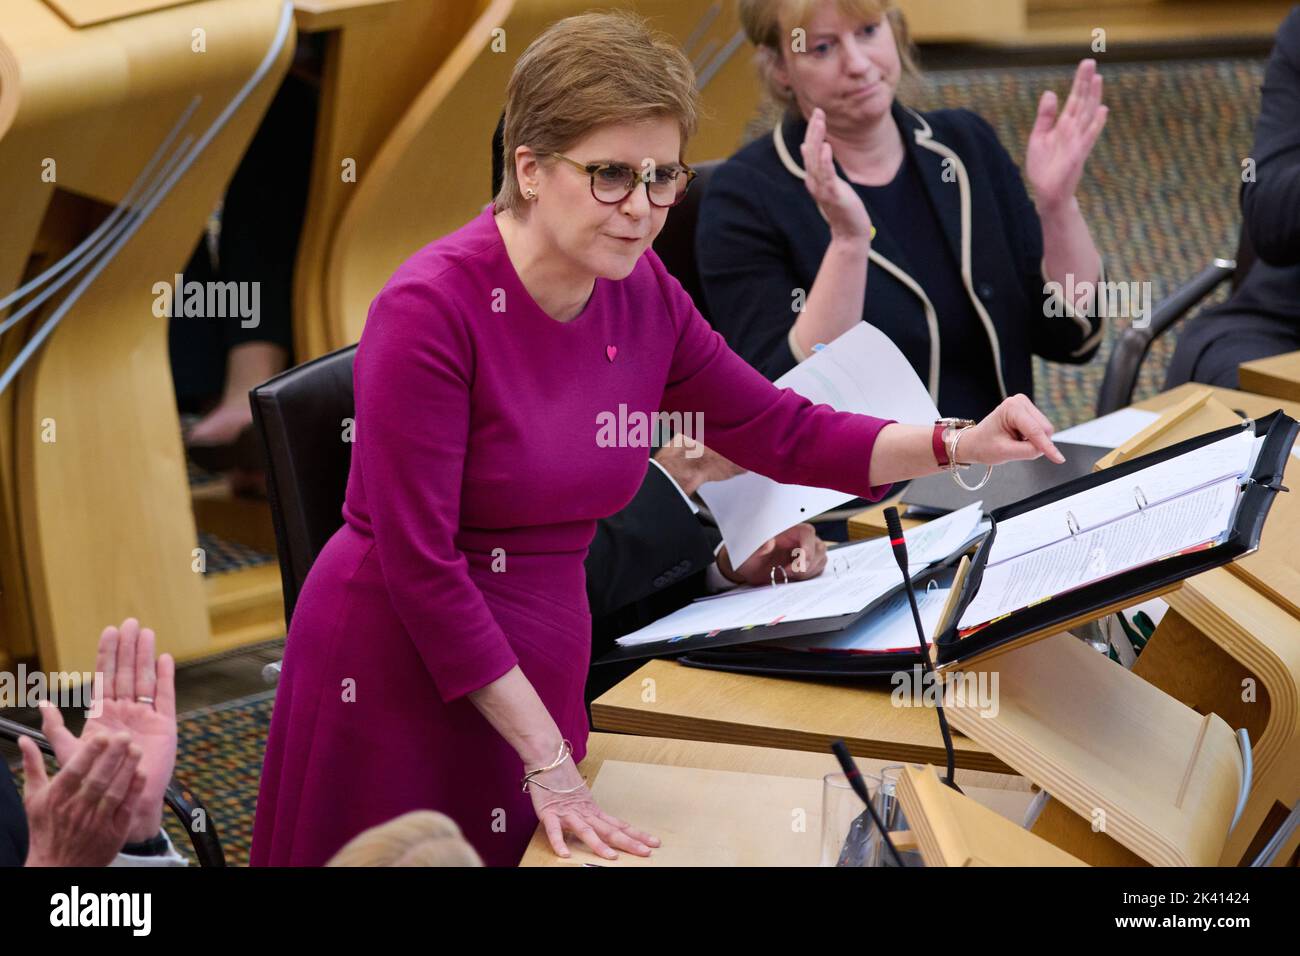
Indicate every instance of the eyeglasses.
{"type": "Point", "coordinates": [611, 183]}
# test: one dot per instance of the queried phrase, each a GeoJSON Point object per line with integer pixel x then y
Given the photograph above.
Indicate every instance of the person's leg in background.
{"type": "Point", "coordinates": [260, 225]}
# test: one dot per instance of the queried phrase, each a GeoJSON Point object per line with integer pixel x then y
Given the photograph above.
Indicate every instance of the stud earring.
{"type": "Point", "coordinates": [530, 194]}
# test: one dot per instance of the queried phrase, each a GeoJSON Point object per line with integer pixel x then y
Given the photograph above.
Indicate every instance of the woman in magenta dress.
{"type": "Point", "coordinates": [440, 645]}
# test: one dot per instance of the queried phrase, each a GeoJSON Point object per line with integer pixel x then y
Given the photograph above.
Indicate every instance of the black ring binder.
{"type": "Point", "coordinates": [1279, 433]}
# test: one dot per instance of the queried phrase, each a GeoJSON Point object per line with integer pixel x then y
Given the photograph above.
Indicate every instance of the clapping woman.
{"type": "Point", "coordinates": [857, 208]}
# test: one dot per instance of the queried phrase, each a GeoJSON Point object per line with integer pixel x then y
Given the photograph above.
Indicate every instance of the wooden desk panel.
{"type": "Point", "coordinates": [1006, 793]}
{"type": "Point", "coordinates": [1277, 376]}
{"type": "Point", "coordinates": [667, 699]}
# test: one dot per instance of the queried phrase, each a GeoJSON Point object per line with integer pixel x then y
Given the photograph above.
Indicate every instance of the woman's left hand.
{"type": "Point", "coordinates": [1014, 431]}
{"type": "Point", "coordinates": [1059, 144]}
{"type": "Point", "coordinates": [138, 696]}
{"type": "Point", "coordinates": [797, 551]}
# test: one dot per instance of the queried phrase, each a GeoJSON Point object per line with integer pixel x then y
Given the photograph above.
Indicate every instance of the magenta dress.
{"type": "Point", "coordinates": [476, 482]}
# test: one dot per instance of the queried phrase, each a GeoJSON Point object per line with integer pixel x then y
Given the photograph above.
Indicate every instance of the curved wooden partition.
{"type": "Point", "coordinates": [94, 503]}
{"type": "Point", "coordinates": [379, 54]}
{"type": "Point", "coordinates": [433, 173]}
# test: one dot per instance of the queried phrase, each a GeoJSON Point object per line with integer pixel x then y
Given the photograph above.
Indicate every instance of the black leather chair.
{"type": "Point", "coordinates": [675, 243]}
{"type": "Point", "coordinates": [303, 417]}
{"type": "Point", "coordinates": [179, 799]}
{"type": "Point", "coordinates": [1132, 345]}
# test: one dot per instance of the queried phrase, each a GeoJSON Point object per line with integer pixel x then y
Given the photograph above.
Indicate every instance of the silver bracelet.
{"type": "Point", "coordinates": [954, 467]}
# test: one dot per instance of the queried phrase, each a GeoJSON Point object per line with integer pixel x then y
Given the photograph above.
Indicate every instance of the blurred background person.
{"type": "Point", "coordinates": [1262, 317]}
{"type": "Point", "coordinates": [957, 271]}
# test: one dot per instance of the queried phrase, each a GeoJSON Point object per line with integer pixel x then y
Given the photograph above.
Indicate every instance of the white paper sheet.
{"type": "Point", "coordinates": [1109, 431]}
{"type": "Point", "coordinates": [935, 540]}
{"type": "Point", "coordinates": [796, 601]}
{"type": "Point", "coordinates": [1157, 532]}
{"type": "Point", "coordinates": [863, 372]}
{"type": "Point", "coordinates": [926, 543]}
{"type": "Point", "coordinates": [1229, 457]}
{"type": "Point", "coordinates": [855, 575]}
{"type": "Point", "coordinates": [889, 628]}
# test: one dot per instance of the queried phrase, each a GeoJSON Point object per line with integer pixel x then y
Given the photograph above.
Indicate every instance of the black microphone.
{"type": "Point", "coordinates": [854, 777]}
{"type": "Point", "coordinates": [899, 544]}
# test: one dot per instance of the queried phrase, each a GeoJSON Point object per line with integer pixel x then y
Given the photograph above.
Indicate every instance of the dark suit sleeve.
{"type": "Point", "coordinates": [652, 544]}
{"type": "Point", "coordinates": [1054, 336]}
{"type": "Point", "coordinates": [1271, 204]}
{"type": "Point", "coordinates": [745, 269]}
{"type": "Point", "coordinates": [13, 821]}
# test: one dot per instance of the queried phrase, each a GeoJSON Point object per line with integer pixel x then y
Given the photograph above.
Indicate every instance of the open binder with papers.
{"type": "Point", "coordinates": [1082, 550]}
{"type": "Point", "coordinates": [847, 612]}
{"type": "Point", "coordinates": [1114, 538]}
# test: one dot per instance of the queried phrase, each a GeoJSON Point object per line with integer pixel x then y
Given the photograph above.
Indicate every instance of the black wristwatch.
{"type": "Point", "coordinates": [155, 846]}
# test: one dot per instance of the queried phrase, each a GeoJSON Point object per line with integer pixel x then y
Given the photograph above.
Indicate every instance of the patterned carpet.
{"type": "Point", "coordinates": [219, 757]}
{"type": "Point", "coordinates": [1160, 189]}
{"type": "Point", "coordinates": [223, 555]}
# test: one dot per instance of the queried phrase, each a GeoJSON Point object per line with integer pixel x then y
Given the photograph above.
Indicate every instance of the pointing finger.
{"type": "Point", "coordinates": [1034, 434]}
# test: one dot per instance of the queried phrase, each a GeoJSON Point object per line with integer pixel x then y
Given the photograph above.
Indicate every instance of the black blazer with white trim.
{"type": "Point", "coordinates": [761, 237]}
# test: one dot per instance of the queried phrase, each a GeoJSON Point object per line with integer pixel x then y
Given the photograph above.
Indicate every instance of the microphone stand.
{"type": "Point", "coordinates": [896, 539]}
{"type": "Point", "coordinates": [854, 843]}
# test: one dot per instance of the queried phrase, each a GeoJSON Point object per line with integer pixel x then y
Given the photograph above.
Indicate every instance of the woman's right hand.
{"type": "Point", "coordinates": [1014, 431]}
{"type": "Point", "coordinates": [577, 813]}
{"type": "Point", "coordinates": [842, 207]}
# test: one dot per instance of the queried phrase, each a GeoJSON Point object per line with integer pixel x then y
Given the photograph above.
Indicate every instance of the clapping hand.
{"type": "Point", "coordinates": [842, 207]}
{"type": "Point", "coordinates": [1059, 143]}
{"type": "Point", "coordinates": [83, 816]}
{"type": "Point", "coordinates": [138, 698]}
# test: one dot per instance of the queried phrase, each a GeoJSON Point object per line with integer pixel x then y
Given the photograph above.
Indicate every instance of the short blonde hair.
{"type": "Point", "coordinates": [419, 838]}
{"type": "Point", "coordinates": [589, 71]}
{"type": "Point", "coordinates": [768, 23]}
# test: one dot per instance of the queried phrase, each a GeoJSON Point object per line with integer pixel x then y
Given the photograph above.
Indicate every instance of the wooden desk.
{"type": "Point", "coordinates": [870, 522]}
{"type": "Point", "coordinates": [1277, 376]}
{"type": "Point", "coordinates": [1230, 645]}
{"type": "Point", "coordinates": [1273, 570]}
{"type": "Point", "coordinates": [1228, 630]}
{"type": "Point", "coordinates": [1008, 794]}
{"type": "Point", "coordinates": [667, 699]}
